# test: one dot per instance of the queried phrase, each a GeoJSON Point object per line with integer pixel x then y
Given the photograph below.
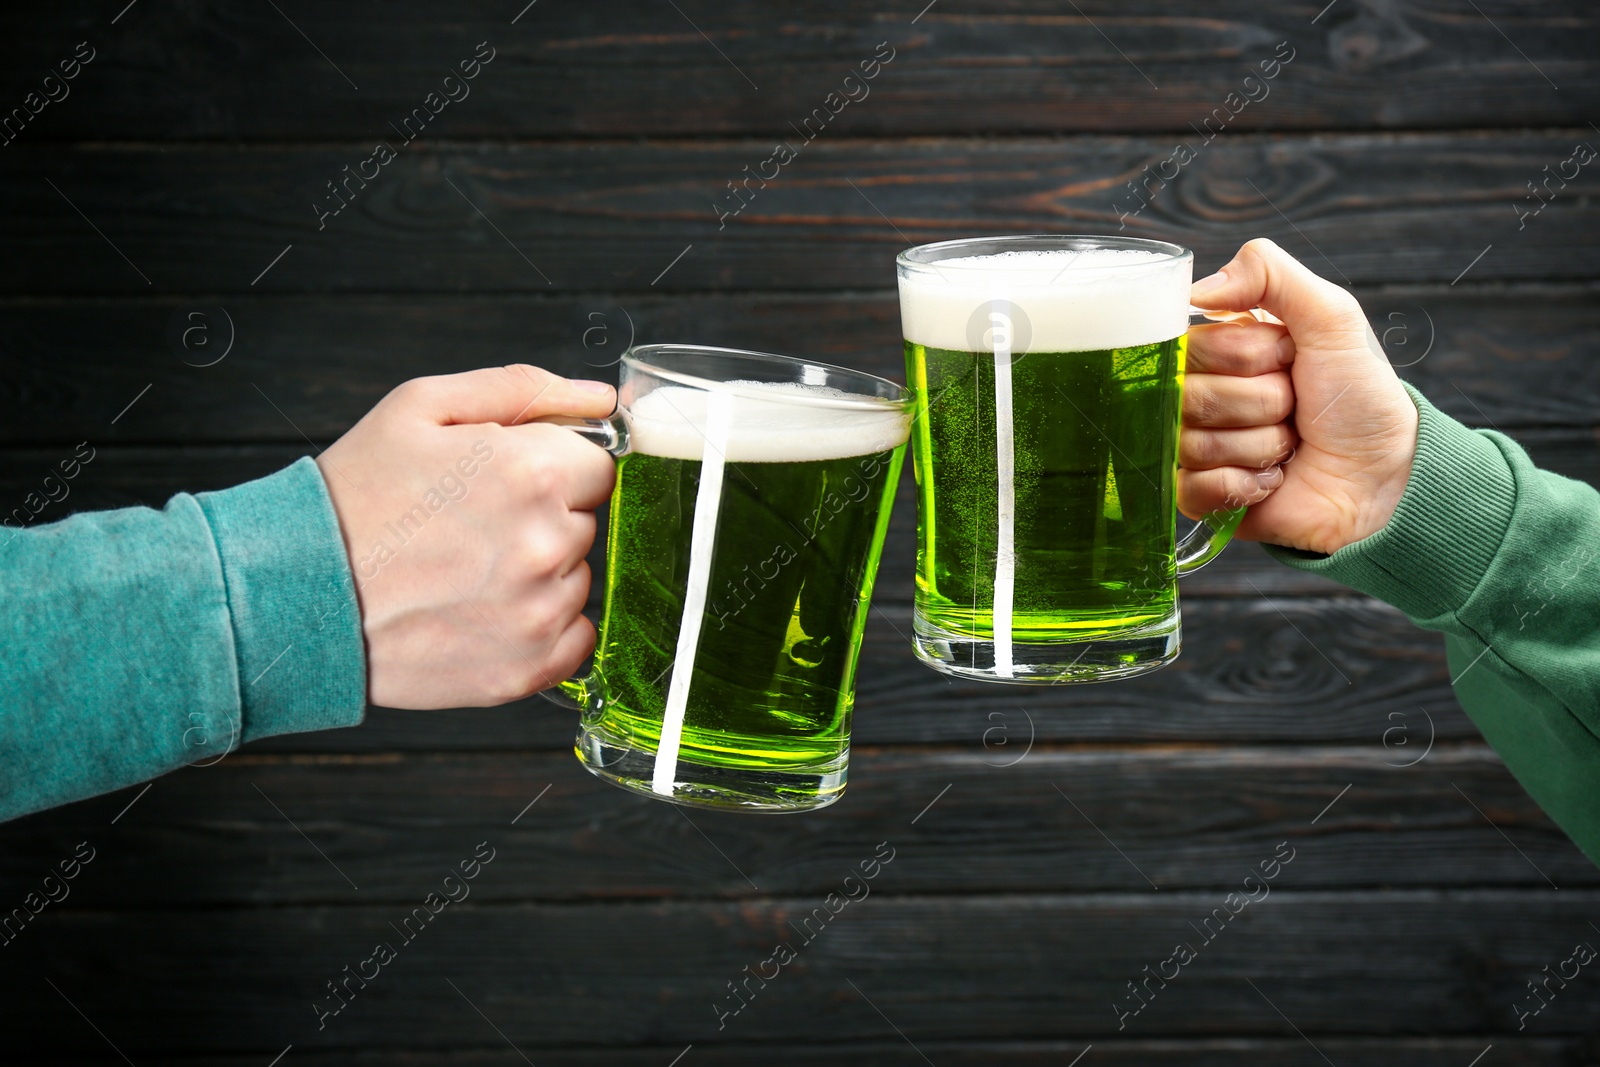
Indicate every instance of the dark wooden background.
{"type": "Point", "coordinates": [1391, 155]}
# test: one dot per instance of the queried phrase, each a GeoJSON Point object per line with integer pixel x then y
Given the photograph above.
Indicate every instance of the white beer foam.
{"type": "Point", "coordinates": [670, 421]}
{"type": "Point", "coordinates": [1072, 301]}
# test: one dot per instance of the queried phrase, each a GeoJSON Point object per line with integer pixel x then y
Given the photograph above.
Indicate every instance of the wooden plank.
{"type": "Point", "coordinates": [126, 476]}
{"type": "Point", "coordinates": [120, 476]}
{"type": "Point", "coordinates": [894, 1052]}
{"type": "Point", "coordinates": [995, 817]}
{"type": "Point", "coordinates": [1519, 356]}
{"type": "Point", "coordinates": [1402, 208]}
{"type": "Point", "coordinates": [133, 476]}
{"type": "Point", "coordinates": [633, 68]}
{"type": "Point", "coordinates": [1243, 675]}
{"type": "Point", "coordinates": [942, 969]}
{"type": "Point", "coordinates": [1348, 656]}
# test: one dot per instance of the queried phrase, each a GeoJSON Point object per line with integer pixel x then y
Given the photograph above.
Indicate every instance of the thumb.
{"type": "Point", "coordinates": [1319, 314]}
{"type": "Point", "coordinates": [508, 395]}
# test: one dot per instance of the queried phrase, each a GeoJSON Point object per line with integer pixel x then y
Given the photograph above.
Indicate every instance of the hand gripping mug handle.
{"type": "Point", "coordinates": [1212, 533]}
{"type": "Point", "coordinates": [612, 435]}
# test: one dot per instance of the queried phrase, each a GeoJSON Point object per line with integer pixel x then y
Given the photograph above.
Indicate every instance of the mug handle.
{"type": "Point", "coordinates": [1206, 541]}
{"type": "Point", "coordinates": [610, 434]}
{"type": "Point", "coordinates": [1211, 534]}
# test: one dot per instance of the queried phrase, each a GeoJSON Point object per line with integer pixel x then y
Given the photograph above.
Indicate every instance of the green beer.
{"type": "Point", "coordinates": [745, 532]}
{"type": "Point", "coordinates": [1047, 376]}
{"type": "Point", "coordinates": [1094, 487]}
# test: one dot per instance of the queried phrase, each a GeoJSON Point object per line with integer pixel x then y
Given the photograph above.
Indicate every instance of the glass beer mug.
{"type": "Point", "coordinates": [751, 502]}
{"type": "Point", "coordinates": [1047, 374]}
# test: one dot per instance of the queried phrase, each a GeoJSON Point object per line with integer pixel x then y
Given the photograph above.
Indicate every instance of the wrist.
{"type": "Point", "coordinates": [301, 661]}
{"type": "Point", "coordinates": [1388, 482]}
{"type": "Point", "coordinates": [1441, 539]}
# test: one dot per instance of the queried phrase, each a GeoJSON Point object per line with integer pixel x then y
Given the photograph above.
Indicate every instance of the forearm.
{"type": "Point", "coordinates": [135, 641]}
{"type": "Point", "coordinates": [1554, 754]}
{"type": "Point", "coordinates": [1505, 559]}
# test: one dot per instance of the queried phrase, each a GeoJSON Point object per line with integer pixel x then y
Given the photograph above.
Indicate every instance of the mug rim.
{"type": "Point", "coordinates": [918, 257]}
{"type": "Point", "coordinates": [638, 357]}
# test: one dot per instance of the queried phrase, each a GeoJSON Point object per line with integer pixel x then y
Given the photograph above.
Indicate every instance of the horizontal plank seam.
{"type": "Point", "coordinates": [719, 139]}
{"type": "Point", "coordinates": [558, 292]}
{"type": "Point", "coordinates": [1187, 897]}
{"type": "Point", "coordinates": [1565, 286]}
{"type": "Point", "coordinates": [1469, 1041]}
{"type": "Point", "coordinates": [1567, 1042]}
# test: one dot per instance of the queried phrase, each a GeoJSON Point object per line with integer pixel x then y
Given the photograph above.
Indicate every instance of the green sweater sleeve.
{"type": "Point", "coordinates": [133, 642]}
{"type": "Point", "coordinates": [1504, 558]}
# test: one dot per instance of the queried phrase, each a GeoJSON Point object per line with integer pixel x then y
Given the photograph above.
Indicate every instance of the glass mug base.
{"type": "Point", "coordinates": [1101, 658]}
{"type": "Point", "coordinates": [756, 791]}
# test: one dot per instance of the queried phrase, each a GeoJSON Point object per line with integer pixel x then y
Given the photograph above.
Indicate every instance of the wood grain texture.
{"type": "Point", "coordinates": [635, 68]}
{"type": "Point", "coordinates": [992, 816]}
{"type": "Point", "coordinates": [125, 476]}
{"type": "Point", "coordinates": [568, 206]}
{"type": "Point", "coordinates": [1348, 655]}
{"type": "Point", "coordinates": [894, 1052]}
{"type": "Point", "coordinates": [999, 967]}
{"type": "Point", "coordinates": [1403, 208]}
{"type": "Point", "coordinates": [1252, 669]}
{"type": "Point", "coordinates": [130, 476]}
{"type": "Point", "coordinates": [1515, 356]}
{"type": "Point", "coordinates": [1268, 656]}
{"type": "Point", "coordinates": [1244, 673]}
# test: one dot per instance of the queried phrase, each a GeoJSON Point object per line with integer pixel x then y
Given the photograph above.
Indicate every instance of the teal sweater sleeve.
{"type": "Point", "coordinates": [133, 642]}
{"type": "Point", "coordinates": [1504, 558]}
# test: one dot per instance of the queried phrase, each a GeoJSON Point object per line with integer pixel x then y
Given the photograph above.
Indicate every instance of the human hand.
{"type": "Point", "coordinates": [1316, 389]}
{"type": "Point", "coordinates": [467, 532]}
